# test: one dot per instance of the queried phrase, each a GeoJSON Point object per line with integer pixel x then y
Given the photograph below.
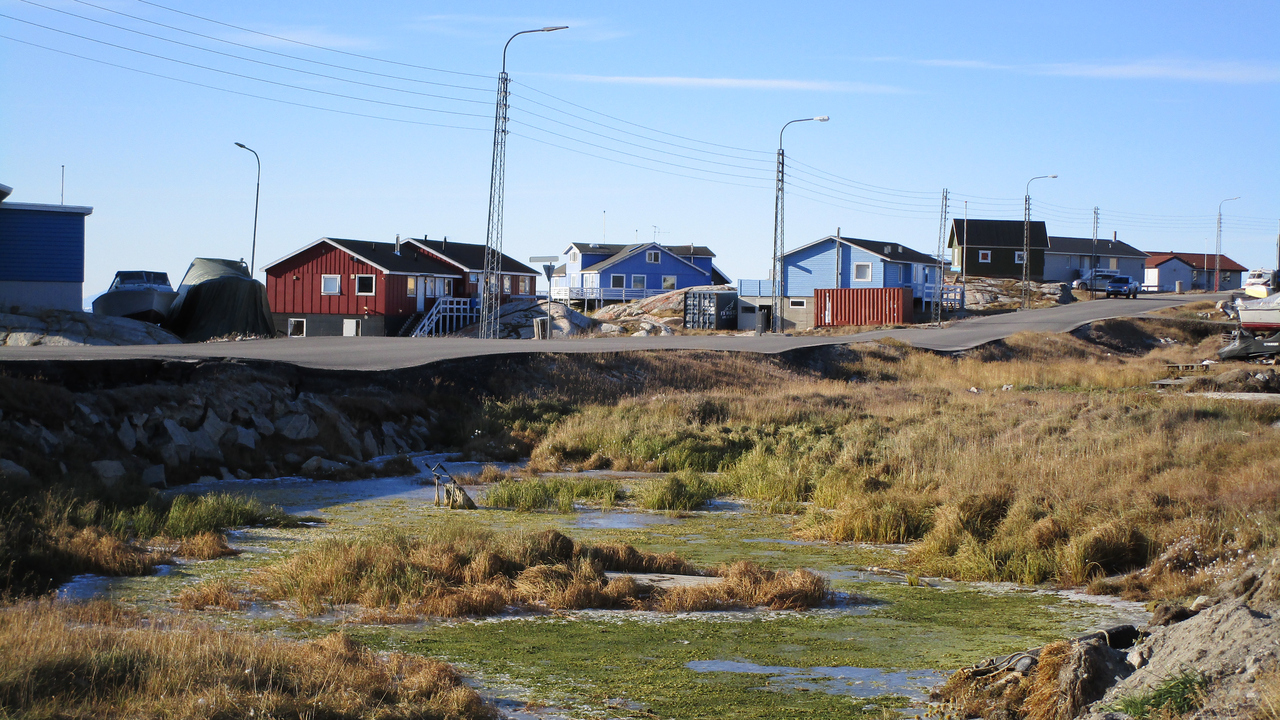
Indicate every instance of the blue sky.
{"type": "Point", "coordinates": [1153, 112]}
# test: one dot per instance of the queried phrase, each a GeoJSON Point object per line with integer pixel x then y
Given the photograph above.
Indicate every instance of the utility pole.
{"type": "Point", "coordinates": [490, 283]}
{"type": "Point", "coordinates": [1093, 261]}
{"type": "Point", "coordinates": [1217, 259]}
{"type": "Point", "coordinates": [779, 223]}
{"type": "Point", "coordinates": [937, 283]}
{"type": "Point", "coordinates": [1026, 242]}
{"type": "Point", "coordinates": [964, 248]}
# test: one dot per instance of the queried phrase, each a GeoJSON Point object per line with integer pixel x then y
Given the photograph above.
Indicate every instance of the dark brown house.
{"type": "Point", "coordinates": [994, 248]}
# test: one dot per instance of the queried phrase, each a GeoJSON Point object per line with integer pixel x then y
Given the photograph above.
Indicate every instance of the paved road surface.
{"type": "Point", "coordinates": [382, 353]}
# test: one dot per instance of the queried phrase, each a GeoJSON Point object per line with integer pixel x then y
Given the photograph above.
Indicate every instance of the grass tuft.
{"type": "Point", "coordinates": [684, 490]}
{"type": "Point", "coordinates": [1177, 696]}
{"type": "Point", "coordinates": [558, 494]}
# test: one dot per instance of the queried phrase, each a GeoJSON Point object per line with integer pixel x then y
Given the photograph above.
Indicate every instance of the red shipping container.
{"type": "Point", "coordinates": [862, 306]}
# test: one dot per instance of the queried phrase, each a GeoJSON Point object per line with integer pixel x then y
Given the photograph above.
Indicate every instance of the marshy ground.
{"type": "Point", "coordinates": [879, 517]}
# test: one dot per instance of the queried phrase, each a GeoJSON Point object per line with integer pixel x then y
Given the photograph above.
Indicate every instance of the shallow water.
{"type": "Point", "coordinates": [884, 642]}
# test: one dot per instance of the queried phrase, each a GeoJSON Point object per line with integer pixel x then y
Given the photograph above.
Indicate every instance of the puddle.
{"type": "Point", "coordinates": [615, 520]}
{"type": "Point", "coordinates": [853, 681]}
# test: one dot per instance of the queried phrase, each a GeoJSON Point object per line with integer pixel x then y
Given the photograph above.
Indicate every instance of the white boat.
{"type": "Point", "coordinates": [138, 294]}
{"type": "Point", "coordinates": [1261, 315]}
{"type": "Point", "coordinates": [1260, 283]}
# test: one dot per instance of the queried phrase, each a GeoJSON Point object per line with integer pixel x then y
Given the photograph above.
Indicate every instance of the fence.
{"type": "Point", "coordinates": [862, 306]}
{"type": "Point", "coordinates": [590, 293]}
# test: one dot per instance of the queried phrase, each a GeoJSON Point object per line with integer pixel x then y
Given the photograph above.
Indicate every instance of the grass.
{"type": "Point", "coordinates": [457, 571]}
{"type": "Point", "coordinates": [680, 491]}
{"type": "Point", "coordinates": [80, 661]}
{"type": "Point", "coordinates": [1075, 472]}
{"type": "Point", "coordinates": [559, 494]}
{"type": "Point", "coordinates": [1176, 696]}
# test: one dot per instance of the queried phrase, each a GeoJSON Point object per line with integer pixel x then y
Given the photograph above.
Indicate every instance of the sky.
{"type": "Point", "coordinates": [641, 121]}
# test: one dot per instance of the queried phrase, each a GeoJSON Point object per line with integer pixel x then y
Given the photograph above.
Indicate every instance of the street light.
{"type": "Point", "coordinates": [1217, 259]}
{"type": "Point", "coordinates": [491, 292]}
{"type": "Point", "coordinates": [548, 268]}
{"type": "Point", "coordinates": [253, 252]}
{"type": "Point", "coordinates": [779, 220]}
{"type": "Point", "coordinates": [1026, 242]}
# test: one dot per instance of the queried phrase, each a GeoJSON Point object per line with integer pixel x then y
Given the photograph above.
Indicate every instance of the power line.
{"type": "Point", "coordinates": [307, 44]}
{"type": "Point", "coordinates": [238, 92]}
{"type": "Point", "coordinates": [252, 60]}
{"type": "Point", "coordinates": [240, 75]}
{"type": "Point", "coordinates": [270, 52]}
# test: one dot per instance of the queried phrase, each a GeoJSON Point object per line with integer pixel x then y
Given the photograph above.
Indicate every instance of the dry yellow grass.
{"type": "Point", "coordinates": [69, 661]}
{"type": "Point", "coordinates": [205, 546]}
{"type": "Point", "coordinates": [220, 594]}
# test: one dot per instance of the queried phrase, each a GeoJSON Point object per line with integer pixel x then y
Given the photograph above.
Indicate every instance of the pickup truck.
{"type": "Point", "coordinates": [1093, 279]}
{"type": "Point", "coordinates": [1122, 286]}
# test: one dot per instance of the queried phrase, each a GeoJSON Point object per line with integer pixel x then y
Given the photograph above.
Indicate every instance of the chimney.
{"type": "Point", "coordinates": [397, 243]}
{"type": "Point", "coordinates": [444, 242]}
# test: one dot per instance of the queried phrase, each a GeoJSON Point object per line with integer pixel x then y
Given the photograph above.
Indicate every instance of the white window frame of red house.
{"type": "Point", "coordinates": [411, 286]}
{"type": "Point", "coordinates": [984, 256]}
{"type": "Point", "coordinates": [448, 287]}
{"type": "Point", "coordinates": [325, 278]}
{"type": "Point", "coordinates": [506, 284]}
{"type": "Point", "coordinates": [373, 282]}
{"type": "Point", "coordinates": [524, 285]}
{"type": "Point", "coordinates": [299, 323]}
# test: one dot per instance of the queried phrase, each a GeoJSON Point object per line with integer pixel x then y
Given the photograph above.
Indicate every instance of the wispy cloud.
{"type": "Point", "coordinates": [1230, 72]}
{"type": "Point", "coordinates": [489, 26]}
{"type": "Point", "coordinates": [738, 83]}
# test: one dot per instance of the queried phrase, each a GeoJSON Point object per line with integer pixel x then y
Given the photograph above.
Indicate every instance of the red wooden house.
{"type": "Point", "coordinates": [355, 287]}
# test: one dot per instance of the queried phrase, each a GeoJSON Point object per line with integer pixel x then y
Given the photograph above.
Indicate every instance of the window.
{"type": "Point", "coordinates": [448, 286]}
{"type": "Point", "coordinates": [411, 286]}
{"type": "Point", "coordinates": [1017, 257]}
{"type": "Point", "coordinates": [652, 256]}
{"type": "Point", "coordinates": [574, 281]}
{"type": "Point", "coordinates": [798, 303]}
{"type": "Point", "coordinates": [668, 282]}
{"type": "Point", "coordinates": [637, 282]}
{"type": "Point", "coordinates": [1226, 276]}
{"type": "Point", "coordinates": [984, 256]}
{"type": "Point", "coordinates": [1114, 266]}
{"type": "Point", "coordinates": [524, 286]}
{"type": "Point", "coordinates": [364, 285]}
{"type": "Point", "coordinates": [573, 256]}
{"type": "Point", "coordinates": [297, 327]}
{"type": "Point", "coordinates": [506, 284]}
{"type": "Point", "coordinates": [330, 284]}
{"type": "Point", "coordinates": [618, 281]}
{"type": "Point", "coordinates": [747, 309]}
{"type": "Point", "coordinates": [862, 272]}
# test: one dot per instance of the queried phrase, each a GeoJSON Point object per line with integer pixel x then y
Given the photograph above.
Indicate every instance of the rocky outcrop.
{"type": "Point", "coordinates": [999, 293]}
{"type": "Point", "coordinates": [517, 318]}
{"type": "Point", "coordinates": [666, 305]}
{"type": "Point", "coordinates": [66, 327]}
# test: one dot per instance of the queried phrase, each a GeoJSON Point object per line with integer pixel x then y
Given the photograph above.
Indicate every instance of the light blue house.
{"type": "Point", "coordinates": [609, 272]}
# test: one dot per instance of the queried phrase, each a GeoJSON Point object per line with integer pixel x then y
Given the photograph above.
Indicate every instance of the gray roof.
{"type": "Point", "coordinates": [614, 249]}
{"type": "Point", "coordinates": [1084, 246]}
{"type": "Point", "coordinates": [471, 256]}
{"type": "Point", "coordinates": [383, 254]}
{"type": "Point", "coordinates": [892, 251]}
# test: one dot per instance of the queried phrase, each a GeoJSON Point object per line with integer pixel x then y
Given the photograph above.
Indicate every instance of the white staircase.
{"type": "Point", "coordinates": [446, 315]}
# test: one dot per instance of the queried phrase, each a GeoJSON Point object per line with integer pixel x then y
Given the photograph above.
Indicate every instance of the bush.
{"type": "Point", "coordinates": [684, 490]}
{"type": "Point", "coordinates": [1178, 695]}
{"type": "Point", "coordinates": [557, 494]}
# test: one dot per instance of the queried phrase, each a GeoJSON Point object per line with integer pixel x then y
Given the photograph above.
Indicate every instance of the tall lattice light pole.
{"type": "Point", "coordinates": [1217, 259]}
{"type": "Point", "coordinates": [253, 251]}
{"type": "Point", "coordinates": [1026, 242]}
{"type": "Point", "coordinates": [490, 283]}
{"type": "Point", "coordinates": [779, 220]}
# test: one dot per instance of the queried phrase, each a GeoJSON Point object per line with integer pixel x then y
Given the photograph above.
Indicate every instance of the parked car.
{"type": "Point", "coordinates": [1093, 279]}
{"type": "Point", "coordinates": [1122, 286]}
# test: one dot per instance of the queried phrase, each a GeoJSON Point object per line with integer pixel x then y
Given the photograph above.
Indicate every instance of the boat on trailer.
{"type": "Point", "coordinates": [138, 294]}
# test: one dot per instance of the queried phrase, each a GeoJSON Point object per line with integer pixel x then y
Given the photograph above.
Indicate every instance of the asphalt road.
{"type": "Point", "coordinates": [383, 353]}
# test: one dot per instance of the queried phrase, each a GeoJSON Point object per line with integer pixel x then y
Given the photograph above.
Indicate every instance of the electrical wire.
{"type": "Point", "coordinates": [238, 92]}
{"type": "Point", "coordinates": [310, 45]}
{"type": "Point", "coordinates": [240, 75]}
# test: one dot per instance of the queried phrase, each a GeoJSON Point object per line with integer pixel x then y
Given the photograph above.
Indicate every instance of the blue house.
{"type": "Point", "coordinates": [41, 254]}
{"type": "Point", "coordinates": [609, 272]}
{"type": "Point", "coordinates": [841, 262]}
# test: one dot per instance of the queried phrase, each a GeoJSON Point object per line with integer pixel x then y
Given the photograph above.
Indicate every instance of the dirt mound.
{"type": "Point", "coordinates": [1249, 380]}
{"type": "Point", "coordinates": [1138, 336]}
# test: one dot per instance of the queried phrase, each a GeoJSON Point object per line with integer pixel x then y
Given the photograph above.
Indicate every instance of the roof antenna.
{"type": "Point", "coordinates": [604, 234]}
{"type": "Point", "coordinates": [63, 201]}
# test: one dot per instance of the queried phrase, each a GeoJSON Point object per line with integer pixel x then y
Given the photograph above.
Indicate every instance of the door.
{"type": "Point", "coordinates": [421, 293]}
{"type": "Point", "coordinates": [350, 327]}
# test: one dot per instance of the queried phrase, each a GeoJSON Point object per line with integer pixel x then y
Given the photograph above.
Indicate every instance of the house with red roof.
{"type": "Point", "coordinates": [1195, 270]}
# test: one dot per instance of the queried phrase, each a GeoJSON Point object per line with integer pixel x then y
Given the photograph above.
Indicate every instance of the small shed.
{"type": "Point", "coordinates": [41, 254]}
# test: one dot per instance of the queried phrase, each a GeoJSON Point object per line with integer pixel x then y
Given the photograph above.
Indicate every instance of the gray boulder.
{"type": "Point", "coordinates": [154, 477]}
{"type": "Point", "coordinates": [321, 466]}
{"type": "Point", "coordinates": [128, 438]}
{"type": "Point", "coordinates": [247, 437]}
{"type": "Point", "coordinates": [108, 471]}
{"type": "Point", "coordinates": [297, 427]}
{"type": "Point", "coordinates": [265, 427]}
{"type": "Point", "coordinates": [10, 470]}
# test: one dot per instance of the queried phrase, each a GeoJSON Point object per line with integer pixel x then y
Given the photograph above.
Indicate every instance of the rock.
{"type": "Point", "coordinates": [265, 427]}
{"type": "Point", "coordinates": [321, 466]}
{"type": "Point", "coordinates": [640, 333]}
{"type": "Point", "coordinates": [109, 472]}
{"type": "Point", "coordinates": [10, 470]}
{"type": "Point", "coordinates": [1168, 614]}
{"type": "Point", "coordinates": [1088, 670]}
{"type": "Point", "coordinates": [154, 477]}
{"type": "Point", "coordinates": [1200, 603]}
{"type": "Point", "coordinates": [226, 474]}
{"type": "Point", "coordinates": [609, 328]}
{"type": "Point", "coordinates": [243, 475]}
{"type": "Point", "coordinates": [204, 447]}
{"type": "Point", "coordinates": [214, 427]}
{"type": "Point", "coordinates": [292, 458]}
{"type": "Point", "coordinates": [171, 456]}
{"type": "Point", "coordinates": [127, 436]}
{"type": "Point", "coordinates": [370, 444]}
{"type": "Point", "coordinates": [297, 427]}
{"type": "Point", "coordinates": [246, 437]}
{"type": "Point", "coordinates": [178, 434]}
